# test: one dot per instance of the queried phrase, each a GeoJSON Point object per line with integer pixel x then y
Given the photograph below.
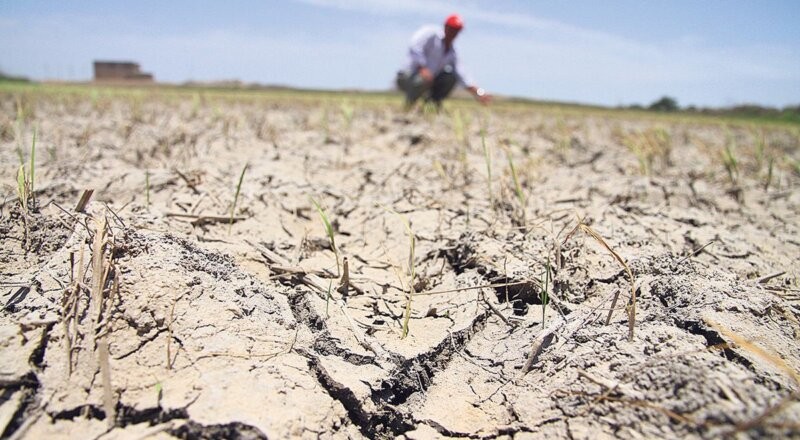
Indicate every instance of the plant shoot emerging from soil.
{"type": "Point", "coordinates": [236, 198]}
{"type": "Point", "coordinates": [544, 297]}
{"type": "Point", "coordinates": [411, 269]}
{"type": "Point", "coordinates": [487, 155]}
{"type": "Point", "coordinates": [730, 161]}
{"type": "Point", "coordinates": [632, 306]}
{"type": "Point", "coordinates": [25, 180]}
{"type": "Point", "coordinates": [329, 231]}
{"type": "Point", "coordinates": [518, 190]}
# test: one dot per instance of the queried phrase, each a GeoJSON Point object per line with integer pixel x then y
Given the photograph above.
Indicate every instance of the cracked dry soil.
{"type": "Point", "coordinates": [231, 333]}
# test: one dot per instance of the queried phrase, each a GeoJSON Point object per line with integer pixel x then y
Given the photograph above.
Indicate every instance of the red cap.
{"type": "Point", "coordinates": [454, 21]}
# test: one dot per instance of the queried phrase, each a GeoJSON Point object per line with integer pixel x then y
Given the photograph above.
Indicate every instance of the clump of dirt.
{"type": "Point", "coordinates": [35, 234]}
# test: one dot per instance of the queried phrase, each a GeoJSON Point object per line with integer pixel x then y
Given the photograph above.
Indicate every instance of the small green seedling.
{"type": "Point", "coordinates": [347, 113]}
{"type": "Point", "coordinates": [411, 270]}
{"type": "Point", "coordinates": [761, 149]}
{"type": "Point", "coordinates": [195, 104]}
{"type": "Point", "coordinates": [487, 155]}
{"type": "Point", "coordinates": [518, 189]}
{"type": "Point", "coordinates": [22, 188]}
{"type": "Point", "coordinates": [647, 146]}
{"type": "Point", "coordinates": [795, 164]}
{"type": "Point", "coordinates": [730, 162]}
{"type": "Point", "coordinates": [159, 391]}
{"type": "Point", "coordinates": [20, 141]}
{"type": "Point", "coordinates": [515, 178]}
{"type": "Point", "coordinates": [326, 126]}
{"type": "Point", "coordinates": [545, 289]}
{"type": "Point", "coordinates": [20, 111]}
{"type": "Point", "coordinates": [25, 180]}
{"type": "Point", "coordinates": [329, 231]}
{"type": "Point", "coordinates": [441, 171]}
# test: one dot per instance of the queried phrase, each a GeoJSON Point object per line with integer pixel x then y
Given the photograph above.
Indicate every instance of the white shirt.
{"type": "Point", "coordinates": [427, 49]}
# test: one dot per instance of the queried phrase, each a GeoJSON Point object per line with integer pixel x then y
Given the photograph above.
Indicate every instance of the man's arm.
{"type": "Point", "coordinates": [417, 53]}
{"type": "Point", "coordinates": [464, 80]}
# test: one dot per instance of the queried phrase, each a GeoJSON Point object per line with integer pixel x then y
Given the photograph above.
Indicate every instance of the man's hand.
{"type": "Point", "coordinates": [426, 75]}
{"type": "Point", "coordinates": [480, 94]}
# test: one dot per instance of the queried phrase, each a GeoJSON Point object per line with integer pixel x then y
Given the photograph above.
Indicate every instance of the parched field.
{"type": "Point", "coordinates": [299, 265]}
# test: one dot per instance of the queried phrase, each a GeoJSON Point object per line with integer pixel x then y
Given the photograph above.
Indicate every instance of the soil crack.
{"type": "Point", "coordinates": [385, 422]}
{"type": "Point", "coordinates": [417, 373]}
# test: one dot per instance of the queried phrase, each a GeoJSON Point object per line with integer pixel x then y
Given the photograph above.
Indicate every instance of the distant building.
{"type": "Point", "coordinates": [120, 71]}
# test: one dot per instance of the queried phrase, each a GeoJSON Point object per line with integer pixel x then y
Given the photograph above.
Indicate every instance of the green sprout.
{"type": "Point", "coordinates": [329, 231]}
{"type": "Point", "coordinates": [347, 113]}
{"type": "Point", "coordinates": [22, 188]}
{"type": "Point", "coordinates": [546, 285]}
{"type": "Point", "coordinates": [25, 180]}
{"type": "Point", "coordinates": [730, 163]}
{"type": "Point", "coordinates": [488, 158]}
{"type": "Point", "coordinates": [517, 187]}
{"type": "Point", "coordinates": [411, 270]}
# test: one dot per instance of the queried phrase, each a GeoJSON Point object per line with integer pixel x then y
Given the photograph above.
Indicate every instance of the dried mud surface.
{"type": "Point", "coordinates": [218, 330]}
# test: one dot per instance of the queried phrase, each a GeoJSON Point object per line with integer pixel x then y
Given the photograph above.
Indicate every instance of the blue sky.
{"type": "Point", "coordinates": [708, 53]}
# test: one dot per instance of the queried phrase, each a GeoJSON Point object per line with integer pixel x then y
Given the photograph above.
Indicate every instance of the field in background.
{"type": "Point", "coordinates": [736, 115]}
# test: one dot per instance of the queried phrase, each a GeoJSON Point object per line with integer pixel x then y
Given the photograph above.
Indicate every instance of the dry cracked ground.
{"type": "Point", "coordinates": [151, 313]}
